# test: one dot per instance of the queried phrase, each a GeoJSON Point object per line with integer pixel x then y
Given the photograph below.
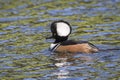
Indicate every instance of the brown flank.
{"type": "Point", "coordinates": [84, 48]}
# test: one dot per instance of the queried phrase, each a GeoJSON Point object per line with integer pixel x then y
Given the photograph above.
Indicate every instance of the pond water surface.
{"type": "Point", "coordinates": [25, 24]}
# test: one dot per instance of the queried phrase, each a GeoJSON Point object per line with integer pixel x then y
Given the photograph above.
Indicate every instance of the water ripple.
{"type": "Point", "coordinates": [10, 19]}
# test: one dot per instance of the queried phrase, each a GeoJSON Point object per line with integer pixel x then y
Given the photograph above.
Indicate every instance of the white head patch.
{"type": "Point", "coordinates": [63, 29]}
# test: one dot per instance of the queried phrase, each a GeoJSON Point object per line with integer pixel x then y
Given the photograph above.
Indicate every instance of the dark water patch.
{"type": "Point", "coordinates": [10, 19]}
{"type": "Point", "coordinates": [22, 6]}
{"type": "Point", "coordinates": [3, 41]}
{"type": "Point", "coordinates": [25, 29]}
{"type": "Point", "coordinates": [28, 30]}
{"type": "Point", "coordinates": [6, 67]}
{"type": "Point", "coordinates": [15, 10]}
{"type": "Point", "coordinates": [15, 56]}
{"type": "Point", "coordinates": [10, 27]}
{"type": "Point", "coordinates": [100, 35]}
{"type": "Point", "coordinates": [9, 11]}
{"type": "Point", "coordinates": [103, 46]}
{"type": "Point", "coordinates": [40, 2]}
{"type": "Point", "coordinates": [111, 26]}
{"type": "Point", "coordinates": [110, 65]}
{"type": "Point", "coordinates": [49, 19]}
{"type": "Point", "coordinates": [4, 55]}
{"type": "Point", "coordinates": [29, 79]}
{"type": "Point", "coordinates": [83, 10]}
{"type": "Point", "coordinates": [2, 33]}
{"type": "Point", "coordinates": [107, 19]}
{"type": "Point", "coordinates": [10, 47]}
{"type": "Point", "coordinates": [67, 12]}
{"type": "Point", "coordinates": [106, 33]}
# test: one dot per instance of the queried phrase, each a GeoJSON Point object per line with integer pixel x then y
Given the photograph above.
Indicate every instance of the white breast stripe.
{"type": "Point", "coordinates": [53, 47]}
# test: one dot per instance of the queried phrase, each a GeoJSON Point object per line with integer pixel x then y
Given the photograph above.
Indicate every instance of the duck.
{"type": "Point", "coordinates": [61, 30]}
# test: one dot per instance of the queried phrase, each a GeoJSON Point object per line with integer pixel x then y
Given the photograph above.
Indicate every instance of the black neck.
{"type": "Point", "coordinates": [60, 39]}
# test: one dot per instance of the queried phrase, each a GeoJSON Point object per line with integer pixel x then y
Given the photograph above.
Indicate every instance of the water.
{"type": "Point", "coordinates": [24, 26]}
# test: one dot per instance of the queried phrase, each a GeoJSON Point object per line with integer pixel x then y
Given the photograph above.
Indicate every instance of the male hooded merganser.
{"type": "Point", "coordinates": [60, 32]}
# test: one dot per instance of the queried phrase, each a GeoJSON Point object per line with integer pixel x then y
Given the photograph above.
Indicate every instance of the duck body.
{"type": "Point", "coordinates": [72, 46]}
{"type": "Point", "coordinates": [60, 32]}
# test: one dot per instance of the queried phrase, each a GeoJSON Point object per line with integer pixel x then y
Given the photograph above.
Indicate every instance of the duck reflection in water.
{"type": "Point", "coordinates": [68, 62]}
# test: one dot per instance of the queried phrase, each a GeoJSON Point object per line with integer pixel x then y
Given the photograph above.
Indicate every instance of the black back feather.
{"type": "Point", "coordinates": [72, 42]}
